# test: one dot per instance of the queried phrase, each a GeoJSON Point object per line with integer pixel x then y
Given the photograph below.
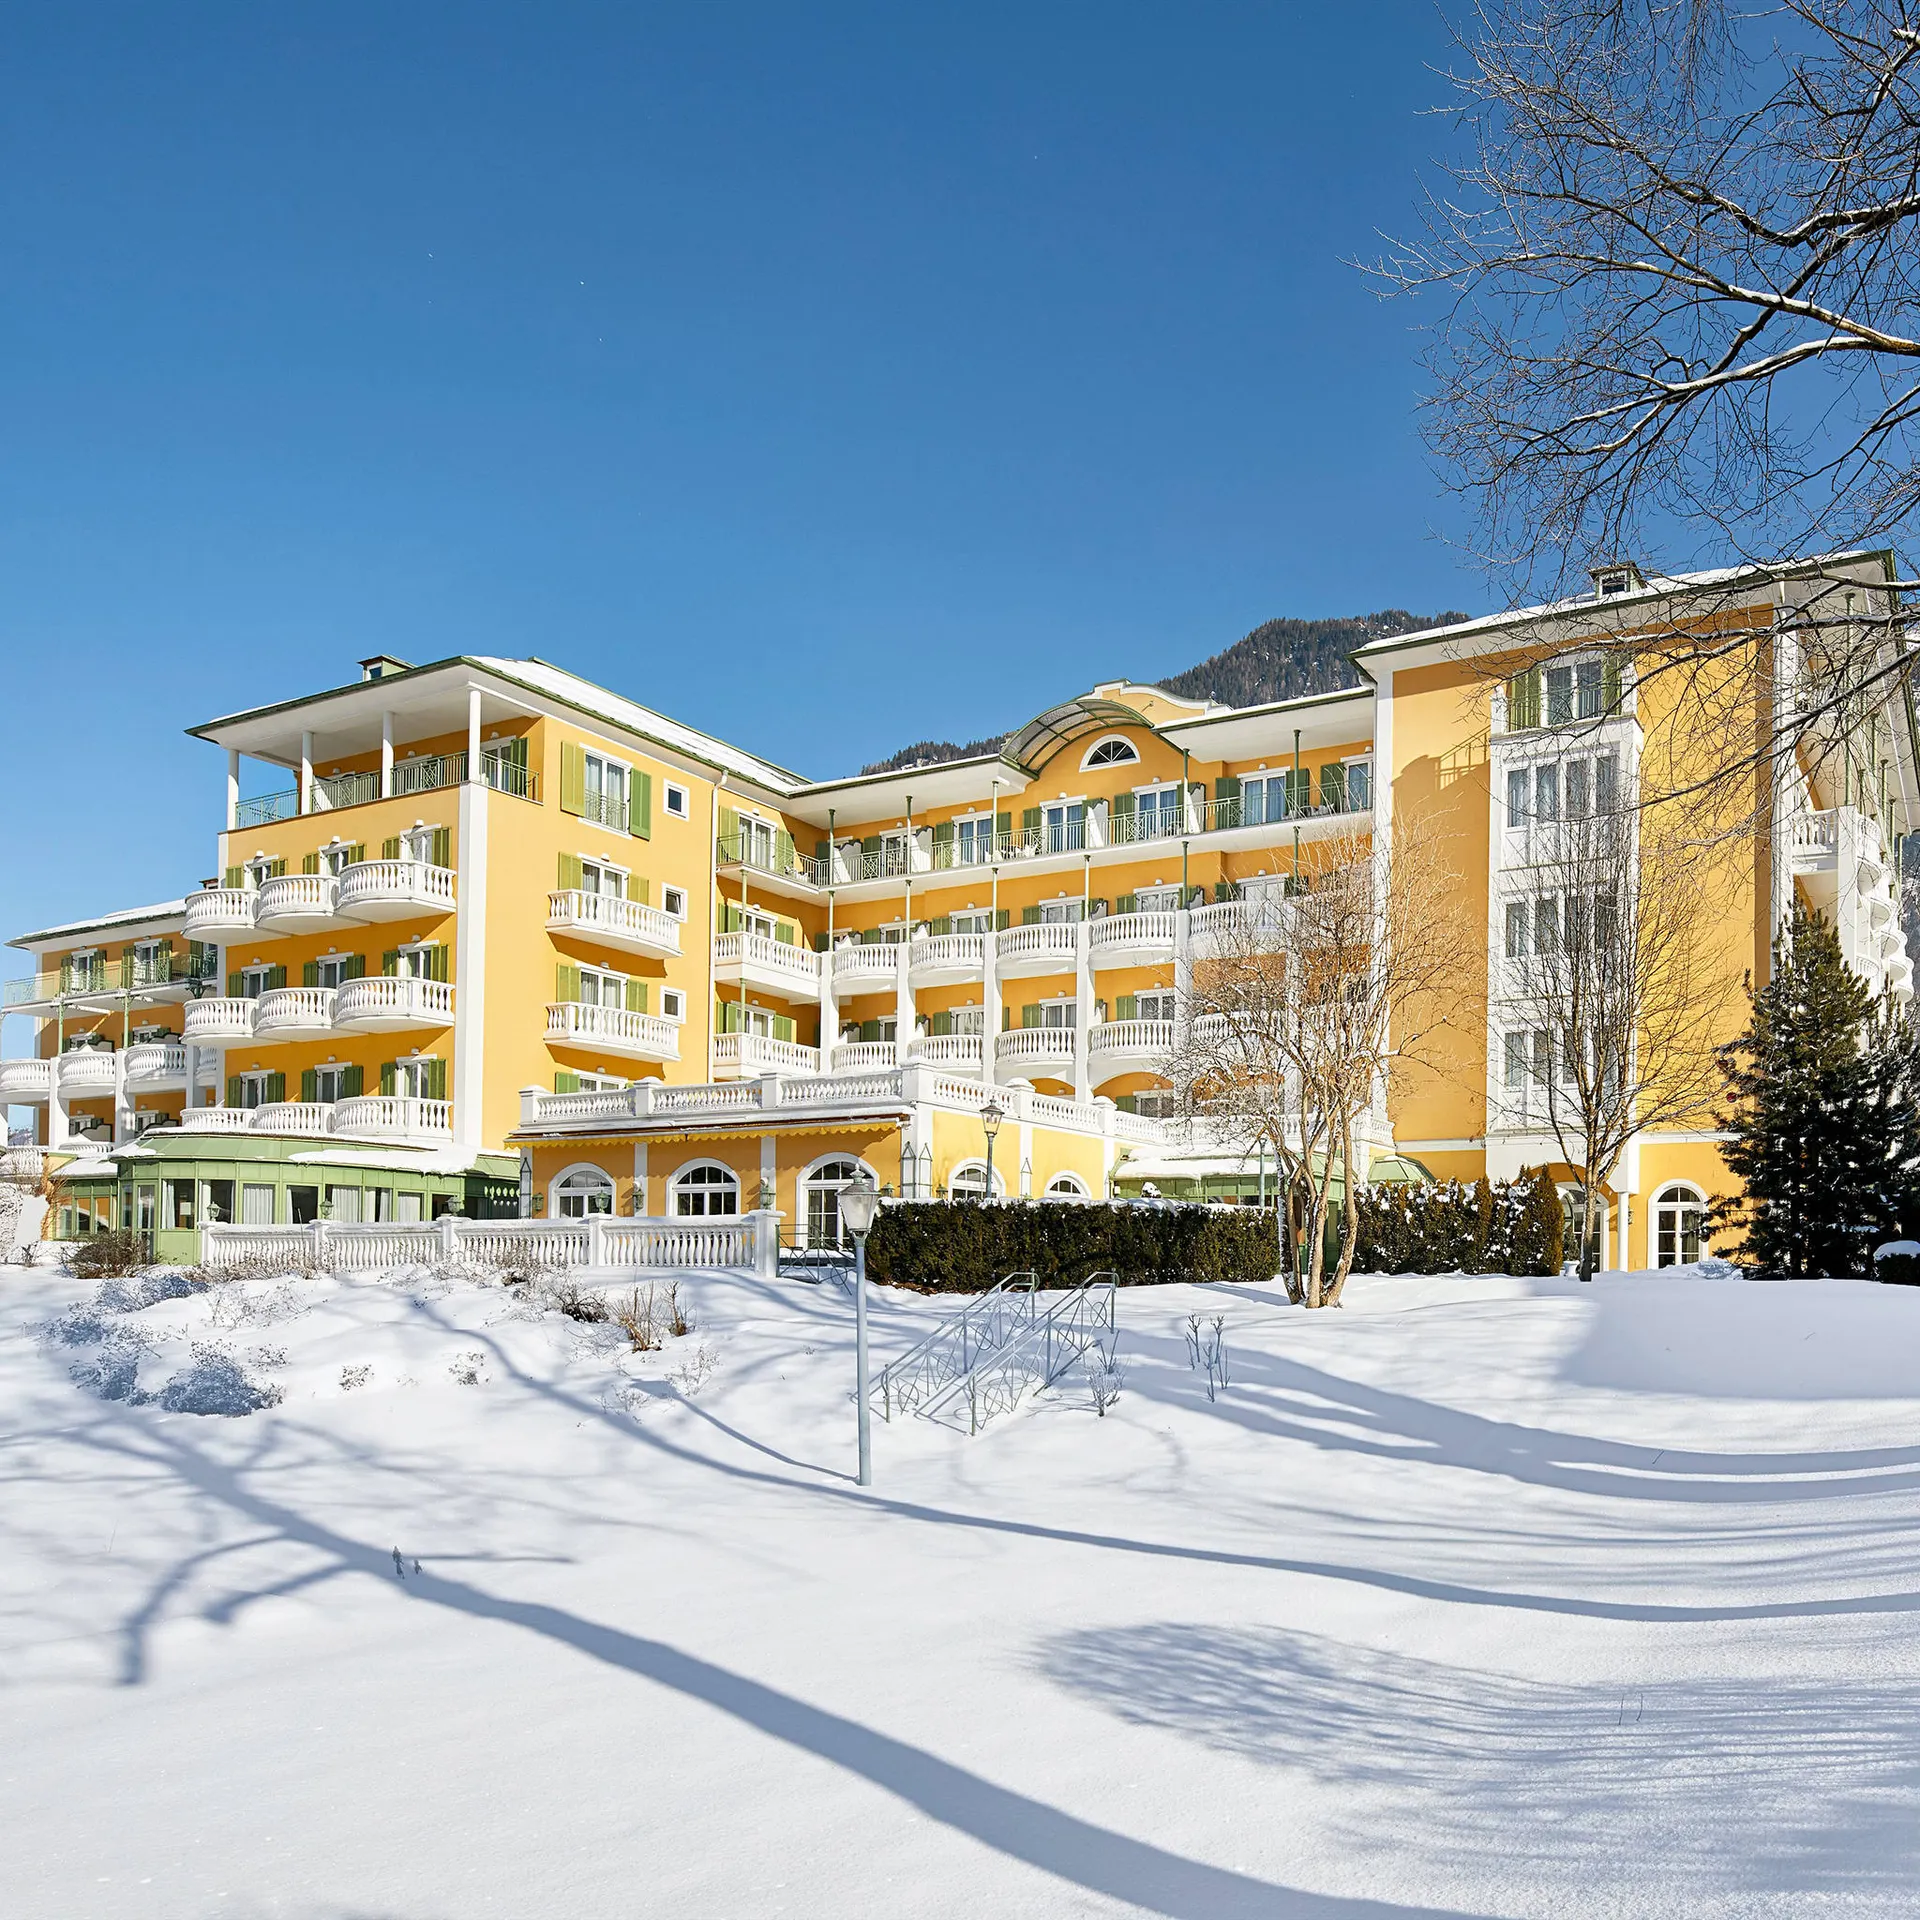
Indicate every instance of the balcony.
{"type": "Point", "coordinates": [745, 1056]}
{"type": "Point", "coordinates": [216, 1120]}
{"type": "Point", "coordinates": [293, 1013]}
{"type": "Point", "coordinates": [263, 809]}
{"type": "Point", "coordinates": [769, 966]}
{"type": "Point", "coordinates": [387, 1003]}
{"type": "Point", "coordinates": [1027, 1050]}
{"type": "Point", "coordinates": [394, 890]}
{"type": "Point", "coordinates": [86, 1075]}
{"type": "Point", "coordinates": [866, 967]}
{"type": "Point", "coordinates": [645, 1036]}
{"type": "Point", "coordinates": [156, 1067]}
{"type": "Point", "coordinates": [210, 1022]}
{"type": "Point", "coordinates": [298, 903]}
{"type": "Point", "coordinates": [26, 1080]}
{"type": "Point", "coordinates": [382, 1116]}
{"type": "Point", "coordinates": [864, 1056]}
{"type": "Point", "coordinates": [1117, 1047]}
{"type": "Point", "coordinates": [1047, 948]}
{"type": "Point", "coordinates": [947, 959]}
{"type": "Point", "coordinates": [1132, 940]}
{"type": "Point", "coordinates": [960, 1052]}
{"type": "Point", "coordinates": [609, 921]}
{"type": "Point", "coordinates": [301, 1117]}
{"type": "Point", "coordinates": [219, 913]}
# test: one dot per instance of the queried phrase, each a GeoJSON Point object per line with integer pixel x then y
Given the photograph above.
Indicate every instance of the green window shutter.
{"type": "Point", "coordinates": [353, 1082]}
{"type": "Point", "coordinates": [1002, 826]}
{"type": "Point", "coordinates": [1224, 890]}
{"type": "Point", "coordinates": [1006, 1019]}
{"type": "Point", "coordinates": [235, 877]}
{"type": "Point", "coordinates": [869, 1031]}
{"type": "Point", "coordinates": [729, 917]}
{"type": "Point", "coordinates": [233, 986]}
{"type": "Point", "coordinates": [573, 777]}
{"type": "Point", "coordinates": [640, 890]}
{"type": "Point", "coordinates": [566, 987]}
{"type": "Point", "coordinates": [1030, 1014]}
{"type": "Point", "coordinates": [570, 873]}
{"type": "Point", "coordinates": [1610, 683]}
{"type": "Point", "coordinates": [276, 1087]}
{"type": "Point", "coordinates": [942, 1025]}
{"type": "Point", "coordinates": [310, 973]}
{"type": "Point", "coordinates": [389, 1078]}
{"type": "Point", "coordinates": [1125, 805]}
{"type": "Point", "coordinates": [390, 962]}
{"type": "Point", "coordinates": [356, 966]}
{"type": "Point", "coordinates": [436, 1080]}
{"type": "Point", "coordinates": [1029, 820]}
{"type": "Point", "coordinates": [820, 942]}
{"type": "Point", "coordinates": [783, 1026]}
{"type": "Point", "coordinates": [1125, 1006]}
{"type": "Point", "coordinates": [636, 996]}
{"type": "Point", "coordinates": [277, 976]}
{"type": "Point", "coordinates": [870, 847]}
{"type": "Point", "coordinates": [1226, 801]}
{"type": "Point", "coordinates": [1523, 700]}
{"type": "Point", "coordinates": [356, 853]}
{"type": "Point", "coordinates": [785, 855]}
{"type": "Point", "coordinates": [309, 863]}
{"type": "Point", "coordinates": [1001, 920]}
{"type": "Point", "coordinates": [233, 1089]}
{"type": "Point", "coordinates": [565, 1082]}
{"type": "Point", "coordinates": [390, 847]}
{"type": "Point", "coordinates": [942, 924]}
{"type": "Point", "coordinates": [1127, 903]}
{"type": "Point", "coordinates": [728, 829]}
{"type": "Point", "coordinates": [440, 962]}
{"type": "Point", "coordinates": [870, 936]}
{"type": "Point", "coordinates": [943, 843]}
{"type": "Point", "coordinates": [784, 932]}
{"type": "Point", "coordinates": [440, 853]}
{"type": "Point", "coordinates": [1029, 916]}
{"type": "Point", "coordinates": [639, 804]}
{"type": "Point", "coordinates": [1128, 1103]}
{"type": "Point", "coordinates": [309, 1083]}
{"type": "Point", "coordinates": [275, 868]}
{"type": "Point", "coordinates": [1333, 786]}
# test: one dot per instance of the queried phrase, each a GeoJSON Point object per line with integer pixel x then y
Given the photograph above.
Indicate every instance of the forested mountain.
{"type": "Point", "coordinates": [1278, 660]}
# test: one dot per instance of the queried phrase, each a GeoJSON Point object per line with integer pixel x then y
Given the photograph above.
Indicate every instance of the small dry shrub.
{"type": "Point", "coordinates": [638, 1317]}
{"type": "Point", "coordinates": [576, 1302]}
{"type": "Point", "coordinates": [110, 1255]}
{"type": "Point", "coordinates": [678, 1320]}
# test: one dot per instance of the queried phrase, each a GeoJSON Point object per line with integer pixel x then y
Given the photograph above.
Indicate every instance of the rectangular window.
{"type": "Point", "coordinates": [256, 1089]}
{"type": "Point", "coordinates": [1546, 793]}
{"type": "Point", "coordinates": [333, 969]}
{"type": "Point", "coordinates": [1154, 1006]}
{"type": "Point", "coordinates": [973, 841]}
{"type": "Point", "coordinates": [303, 1204]}
{"type": "Point", "coordinates": [1579, 797]}
{"type": "Point", "coordinates": [601, 1083]}
{"type": "Point", "coordinates": [1060, 1013]}
{"type": "Point", "coordinates": [1066, 822]}
{"type": "Point", "coordinates": [1588, 701]}
{"type": "Point", "coordinates": [254, 981]}
{"type": "Point", "coordinates": [605, 797]}
{"type": "Point", "coordinates": [1606, 783]}
{"type": "Point", "coordinates": [330, 1083]}
{"type": "Point", "coordinates": [343, 1203]}
{"type": "Point", "coordinates": [1546, 924]}
{"type": "Point", "coordinates": [1516, 929]}
{"type": "Point", "coordinates": [176, 1204]}
{"type": "Point", "coordinates": [1517, 1057]}
{"type": "Point", "coordinates": [602, 989]}
{"type": "Point", "coordinates": [1157, 899]}
{"type": "Point", "coordinates": [378, 1205]}
{"type": "Point", "coordinates": [1158, 813]}
{"type": "Point", "coordinates": [676, 801]}
{"type": "Point", "coordinates": [1559, 686]}
{"type": "Point", "coordinates": [1519, 797]}
{"type": "Point", "coordinates": [673, 1005]}
{"type": "Point", "coordinates": [673, 901]}
{"type": "Point", "coordinates": [754, 921]}
{"type": "Point", "coordinates": [1055, 913]}
{"type": "Point", "coordinates": [256, 1205]}
{"type": "Point", "coordinates": [413, 1079]}
{"type": "Point", "coordinates": [976, 920]}
{"type": "Point", "coordinates": [756, 843]}
{"type": "Point", "coordinates": [216, 1200]}
{"type": "Point", "coordinates": [1359, 785]}
{"type": "Point", "coordinates": [597, 877]}
{"type": "Point", "coordinates": [406, 1208]}
{"type": "Point", "coordinates": [1542, 1058]}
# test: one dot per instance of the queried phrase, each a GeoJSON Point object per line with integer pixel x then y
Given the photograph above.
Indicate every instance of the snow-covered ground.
{"type": "Point", "coordinates": [1477, 1597]}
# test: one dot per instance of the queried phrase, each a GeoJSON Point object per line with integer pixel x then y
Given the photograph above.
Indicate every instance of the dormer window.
{"type": "Point", "coordinates": [1615, 577]}
{"type": "Point", "coordinates": [1111, 752]}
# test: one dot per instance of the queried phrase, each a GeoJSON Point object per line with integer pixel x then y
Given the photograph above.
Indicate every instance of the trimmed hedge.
{"type": "Point", "coordinates": [960, 1246]}
{"type": "Point", "coordinates": [1477, 1226]}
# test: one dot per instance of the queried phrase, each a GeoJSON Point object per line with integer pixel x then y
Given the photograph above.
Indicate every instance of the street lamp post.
{"type": "Point", "coordinates": [990, 1117]}
{"type": "Point", "coordinates": [859, 1202]}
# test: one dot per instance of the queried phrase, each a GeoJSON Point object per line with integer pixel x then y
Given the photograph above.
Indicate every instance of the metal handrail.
{"type": "Point", "coordinates": [957, 1345]}
{"type": "Point", "coordinates": [1034, 1358]}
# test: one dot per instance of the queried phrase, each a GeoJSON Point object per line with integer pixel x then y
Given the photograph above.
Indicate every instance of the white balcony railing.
{"type": "Point", "coordinates": [869, 960]}
{"type": "Point", "coordinates": [88, 1072]}
{"type": "Point", "coordinates": [152, 1063]}
{"type": "Point", "coordinates": [1033, 1045]}
{"type": "Point", "coordinates": [296, 899]}
{"type": "Point", "coordinates": [313, 1117]}
{"type": "Point", "coordinates": [623, 923]}
{"type": "Point", "coordinates": [947, 1049]}
{"type": "Point", "coordinates": [214, 913]}
{"type": "Point", "coordinates": [1131, 933]}
{"type": "Point", "coordinates": [217, 1119]}
{"type": "Point", "coordinates": [1051, 944]}
{"type": "Point", "coordinates": [953, 955]}
{"type": "Point", "coordinates": [211, 1020]}
{"type": "Point", "coordinates": [1131, 1037]}
{"type": "Point", "coordinates": [773, 959]}
{"type": "Point", "coordinates": [381, 1001]}
{"type": "Point", "coordinates": [26, 1079]}
{"type": "Point", "coordinates": [863, 1056]}
{"type": "Point", "coordinates": [573, 1023]}
{"type": "Point", "coordinates": [283, 1011]}
{"type": "Point", "coordinates": [745, 1054]}
{"type": "Point", "coordinates": [387, 1116]}
{"type": "Point", "coordinates": [394, 889]}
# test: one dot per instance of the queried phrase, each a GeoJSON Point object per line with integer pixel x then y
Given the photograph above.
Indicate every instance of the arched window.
{"type": "Point", "coordinates": [1113, 751]}
{"type": "Point", "coordinates": [705, 1189]}
{"type": "Point", "coordinates": [1679, 1225]}
{"type": "Point", "coordinates": [968, 1181]}
{"type": "Point", "coordinates": [1066, 1186]}
{"type": "Point", "coordinates": [821, 1188]}
{"type": "Point", "coordinates": [582, 1190]}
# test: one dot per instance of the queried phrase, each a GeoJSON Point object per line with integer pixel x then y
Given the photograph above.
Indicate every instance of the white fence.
{"type": "Point", "coordinates": [600, 1241]}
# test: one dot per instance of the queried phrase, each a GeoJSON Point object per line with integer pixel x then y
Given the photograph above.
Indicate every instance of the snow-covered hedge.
{"type": "Point", "coordinates": [1452, 1226]}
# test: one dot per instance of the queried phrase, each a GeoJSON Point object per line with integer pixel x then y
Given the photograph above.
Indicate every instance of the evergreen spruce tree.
{"type": "Point", "coordinates": [1807, 1124]}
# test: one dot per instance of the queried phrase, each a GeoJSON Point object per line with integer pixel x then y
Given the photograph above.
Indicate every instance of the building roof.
{"type": "Point", "coordinates": [161, 917]}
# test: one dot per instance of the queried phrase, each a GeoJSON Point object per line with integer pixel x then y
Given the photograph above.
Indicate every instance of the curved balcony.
{"type": "Point", "coordinates": [292, 1013]}
{"type": "Point", "coordinates": [385, 1116]}
{"type": "Point", "coordinates": [300, 1117]}
{"type": "Point", "coordinates": [1216, 929]}
{"type": "Point", "coordinates": [963, 1052]}
{"type": "Point", "coordinates": [216, 1120]}
{"type": "Point", "coordinates": [742, 1056]}
{"type": "Point", "coordinates": [155, 1066]}
{"type": "Point", "coordinates": [219, 913]}
{"type": "Point", "coordinates": [26, 1080]}
{"type": "Point", "coordinates": [646, 1036]}
{"type": "Point", "coordinates": [947, 959]}
{"type": "Point", "coordinates": [1027, 1049]}
{"type": "Point", "coordinates": [386, 1002]}
{"type": "Point", "coordinates": [866, 967]}
{"type": "Point", "coordinates": [1132, 940]}
{"type": "Point", "coordinates": [394, 890]}
{"type": "Point", "coordinates": [1117, 1047]}
{"type": "Point", "coordinates": [609, 921]}
{"type": "Point", "coordinates": [1047, 948]}
{"type": "Point", "coordinates": [86, 1075]}
{"type": "Point", "coordinates": [210, 1021]}
{"type": "Point", "coordinates": [298, 903]}
{"type": "Point", "coordinates": [863, 1056]}
{"type": "Point", "coordinates": [768, 966]}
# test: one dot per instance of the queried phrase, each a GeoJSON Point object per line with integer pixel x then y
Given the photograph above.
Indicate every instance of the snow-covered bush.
{"type": "Point", "coordinates": [1897, 1263]}
{"type": "Point", "coordinates": [120, 1250]}
{"type": "Point", "coordinates": [235, 1307]}
{"type": "Point", "coordinates": [1453, 1226]}
{"type": "Point", "coordinates": [576, 1302]}
{"type": "Point", "coordinates": [214, 1383]}
{"type": "Point", "coordinates": [112, 1370]}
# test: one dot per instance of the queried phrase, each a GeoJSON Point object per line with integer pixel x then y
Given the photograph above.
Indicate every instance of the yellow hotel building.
{"type": "Point", "coordinates": [505, 941]}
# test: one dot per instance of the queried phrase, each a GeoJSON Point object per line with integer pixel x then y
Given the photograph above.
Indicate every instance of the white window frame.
{"type": "Point", "coordinates": [1156, 994]}
{"type": "Point", "coordinates": [603, 978]}
{"type": "Point", "coordinates": [1663, 1204]}
{"type": "Point", "coordinates": [606, 869]}
{"type": "Point", "coordinates": [678, 1189]}
{"type": "Point", "coordinates": [590, 1178]}
{"type": "Point", "coordinates": [673, 902]}
{"type": "Point", "coordinates": [676, 800]}
{"type": "Point", "coordinates": [673, 1004]}
{"type": "Point", "coordinates": [977, 1170]}
{"type": "Point", "coordinates": [1067, 1186]}
{"type": "Point", "coordinates": [1129, 758]}
{"type": "Point", "coordinates": [812, 1182]}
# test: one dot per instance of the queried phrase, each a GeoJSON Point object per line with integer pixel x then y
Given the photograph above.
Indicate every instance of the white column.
{"type": "Point", "coordinates": [473, 733]}
{"type": "Point", "coordinates": [233, 788]}
{"type": "Point", "coordinates": [769, 1196]}
{"type": "Point", "coordinates": [306, 772]}
{"type": "Point", "coordinates": [640, 1177]}
{"type": "Point", "coordinates": [1083, 1010]}
{"type": "Point", "coordinates": [386, 756]}
{"type": "Point", "coordinates": [470, 970]}
{"type": "Point", "coordinates": [989, 1005]}
{"type": "Point", "coordinates": [902, 1004]}
{"type": "Point", "coordinates": [122, 1123]}
{"type": "Point", "coordinates": [829, 1012]}
{"type": "Point", "coordinates": [56, 1107]}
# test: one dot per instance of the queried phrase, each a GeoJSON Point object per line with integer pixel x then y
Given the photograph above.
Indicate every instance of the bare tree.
{"type": "Point", "coordinates": [1612, 991]}
{"type": "Point", "coordinates": [1295, 1009]}
{"type": "Point", "coordinates": [1680, 272]}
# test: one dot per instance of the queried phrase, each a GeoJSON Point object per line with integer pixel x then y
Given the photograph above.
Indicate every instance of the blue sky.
{"type": "Point", "coordinates": [824, 376]}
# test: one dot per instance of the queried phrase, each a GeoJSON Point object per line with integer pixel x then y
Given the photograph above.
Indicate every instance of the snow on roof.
{"type": "Point", "coordinates": [586, 694]}
{"type": "Point", "coordinates": [104, 922]}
